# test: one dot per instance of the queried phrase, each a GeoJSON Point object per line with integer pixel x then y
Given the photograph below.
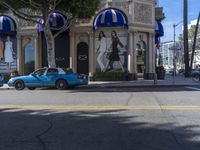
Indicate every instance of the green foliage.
{"type": "Point", "coordinates": [191, 32]}
{"type": "Point", "coordinates": [78, 8]}
{"type": "Point", "coordinates": [180, 37]}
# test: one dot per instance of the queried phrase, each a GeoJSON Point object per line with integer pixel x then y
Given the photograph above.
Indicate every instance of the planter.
{"type": "Point", "coordinates": [112, 76]}
{"type": "Point", "coordinates": [160, 71]}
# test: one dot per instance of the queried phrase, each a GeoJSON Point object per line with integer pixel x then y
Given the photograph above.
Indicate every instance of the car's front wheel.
{"type": "Point", "coordinates": [61, 85]}
{"type": "Point", "coordinates": [19, 85]}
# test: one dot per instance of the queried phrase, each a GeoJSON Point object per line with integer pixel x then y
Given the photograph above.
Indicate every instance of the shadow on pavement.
{"type": "Point", "coordinates": [90, 130]}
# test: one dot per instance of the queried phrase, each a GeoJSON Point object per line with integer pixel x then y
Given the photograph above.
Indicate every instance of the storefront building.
{"type": "Point", "coordinates": [120, 38]}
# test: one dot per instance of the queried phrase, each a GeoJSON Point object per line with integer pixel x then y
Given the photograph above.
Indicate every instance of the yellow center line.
{"type": "Point", "coordinates": [100, 107]}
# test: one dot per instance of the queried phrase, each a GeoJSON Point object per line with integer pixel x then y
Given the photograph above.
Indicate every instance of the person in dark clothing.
{"type": "Point", "coordinates": [114, 55]}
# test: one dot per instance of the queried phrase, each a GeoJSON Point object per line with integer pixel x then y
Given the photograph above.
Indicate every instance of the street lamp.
{"type": "Point", "coordinates": [174, 50]}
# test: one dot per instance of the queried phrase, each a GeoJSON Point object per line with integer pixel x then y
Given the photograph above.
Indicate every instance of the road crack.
{"type": "Point", "coordinates": [39, 136]}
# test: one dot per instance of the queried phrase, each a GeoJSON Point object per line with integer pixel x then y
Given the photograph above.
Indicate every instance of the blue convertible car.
{"type": "Point", "coordinates": [48, 77]}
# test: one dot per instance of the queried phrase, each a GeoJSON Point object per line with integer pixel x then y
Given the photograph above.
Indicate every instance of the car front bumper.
{"type": "Point", "coordinates": [10, 83]}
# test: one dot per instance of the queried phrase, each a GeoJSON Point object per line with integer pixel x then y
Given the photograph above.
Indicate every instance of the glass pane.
{"type": "Point", "coordinates": [29, 57]}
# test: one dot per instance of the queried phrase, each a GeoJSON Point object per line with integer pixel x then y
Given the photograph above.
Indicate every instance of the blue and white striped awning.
{"type": "Point", "coordinates": [159, 28]}
{"type": "Point", "coordinates": [110, 17]}
{"type": "Point", "coordinates": [7, 25]}
{"type": "Point", "coordinates": [56, 21]}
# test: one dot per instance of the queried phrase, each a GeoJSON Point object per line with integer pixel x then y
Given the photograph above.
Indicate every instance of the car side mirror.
{"type": "Point", "coordinates": [40, 74]}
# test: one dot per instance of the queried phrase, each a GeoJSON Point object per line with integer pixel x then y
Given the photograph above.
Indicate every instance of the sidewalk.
{"type": "Point", "coordinates": [6, 87]}
{"type": "Point", "coordinates": [169, 81]}
{"type": "Point", "coordinates": [178, 81]}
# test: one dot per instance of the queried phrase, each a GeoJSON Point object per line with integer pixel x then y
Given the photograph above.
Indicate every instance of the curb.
{"type": "Point", "coordinates": [6, 88]}
{"type": "Point", "coordinates": [100, 86]}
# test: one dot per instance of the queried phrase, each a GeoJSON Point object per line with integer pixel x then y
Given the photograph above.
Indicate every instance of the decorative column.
{"type": "Point", "coordinates": [132, 57]}
{"type": "Point", "coordinates": [151, 57]}
{"type": "Point", "coordinates": [153, 54]}
{"type": "Point", "coordinates": [130, 53]}
{"type": "Point", "coordinates": [38, 54]}
{"type": "Point", "coordinates": [72, 51]}
{"type": "Point", "coordinates": [92, 61]}
{"type": "Point", "coordinates": [20, 55]}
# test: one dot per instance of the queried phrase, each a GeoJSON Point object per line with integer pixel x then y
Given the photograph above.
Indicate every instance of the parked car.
{"type": "Point", "coordinates": [48, 77]}
{"type": "Point", "coordinates": [1, 80]}
{"type": "Point", "coordinates": [181, 71]}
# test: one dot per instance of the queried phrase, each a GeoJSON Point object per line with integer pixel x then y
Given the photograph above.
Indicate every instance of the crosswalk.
{"type": "Point", "coordinates": [4, 68]}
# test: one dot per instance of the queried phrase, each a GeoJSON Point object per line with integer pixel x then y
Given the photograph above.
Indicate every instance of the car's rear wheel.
{"type": "Point", "coordinates": [19, 85]}
{"type": "Point", "coordinates": [61, 85]}
{"type": "Point", "coordinates": [31, 88]}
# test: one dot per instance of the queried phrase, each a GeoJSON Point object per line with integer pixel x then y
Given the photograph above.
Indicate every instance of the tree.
{"type": "Point", "coordinates": [194, 43]}
{"type": "Point", "coordinates": [191, 33]}
{"type": "Point", "coordinates": [71, 9]}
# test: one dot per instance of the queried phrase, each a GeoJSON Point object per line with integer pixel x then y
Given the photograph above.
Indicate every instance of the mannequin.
{"type": "Point", "coordinates": [8, 52]}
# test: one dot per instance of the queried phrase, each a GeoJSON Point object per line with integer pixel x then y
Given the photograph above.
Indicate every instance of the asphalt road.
{"type": "Point", "coordinates": [101, 119]}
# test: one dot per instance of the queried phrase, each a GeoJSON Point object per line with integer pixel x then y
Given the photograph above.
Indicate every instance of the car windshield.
{"type": "Point", "coordinates": [39, 72]}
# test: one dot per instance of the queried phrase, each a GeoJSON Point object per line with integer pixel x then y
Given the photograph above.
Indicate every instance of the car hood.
{"type": "Point", "coordinates": [19, 77]}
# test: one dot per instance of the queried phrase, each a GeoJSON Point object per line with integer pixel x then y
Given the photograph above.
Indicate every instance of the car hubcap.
{"type": "Point", "coordinates": [61, 84]}
{"type": "Point", "coordinates": [19, 85]}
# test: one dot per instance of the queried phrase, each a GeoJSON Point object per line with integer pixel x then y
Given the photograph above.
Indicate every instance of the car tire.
{"type": "Point", "coordinates": [61, 85]}
{"type": "Point", "coordinates": [31, 88]}
{"type": "Point", "coordinates": [19, 85]}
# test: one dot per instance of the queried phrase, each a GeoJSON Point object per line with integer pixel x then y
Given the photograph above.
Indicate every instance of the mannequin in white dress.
{"type": "Point", "coordinates": [8, 54]}
{"type": "Point", "coordinates": [101, 49]}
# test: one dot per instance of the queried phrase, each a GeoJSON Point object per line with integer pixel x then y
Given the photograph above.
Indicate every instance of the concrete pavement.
{"type": "Point", "coordinates": [80, 119]}
{"type": "Point", "coordinates": [169, 81]}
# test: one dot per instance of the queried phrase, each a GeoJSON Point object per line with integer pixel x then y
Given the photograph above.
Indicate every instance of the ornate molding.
{"type": "Point", "coordinates": [143, 13]}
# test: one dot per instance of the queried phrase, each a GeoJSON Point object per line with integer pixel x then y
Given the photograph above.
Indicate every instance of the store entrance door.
{"type": "Point", "coordinates": [82, 58]}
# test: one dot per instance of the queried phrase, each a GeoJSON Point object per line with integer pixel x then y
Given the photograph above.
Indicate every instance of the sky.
{"type": "Point", "coordinates": [173, 10]}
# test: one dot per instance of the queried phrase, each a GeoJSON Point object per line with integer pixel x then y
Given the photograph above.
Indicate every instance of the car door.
{"type": "Point", "coordinates": [37, 78]}
{"type": "Point", "coordinates": [51, 76]}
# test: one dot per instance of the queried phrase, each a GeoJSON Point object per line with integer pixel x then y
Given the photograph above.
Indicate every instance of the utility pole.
{"type": "Point", "coordinates": [185, 35]}
{"type": "Point", "coordinates": [174, 55]}
{"type": "Point", "coordinates": [174, 50]}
